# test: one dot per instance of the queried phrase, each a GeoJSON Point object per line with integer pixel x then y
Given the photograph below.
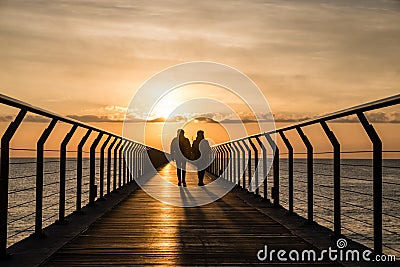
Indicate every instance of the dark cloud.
{"type": "Point", "coordinates": [93, 118]}
{"type": "Point", "coordinates": [373, 117]}
{"type": "Point", "coordinates": [28, 118]}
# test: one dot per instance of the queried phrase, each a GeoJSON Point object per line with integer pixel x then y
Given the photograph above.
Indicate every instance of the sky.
{"type": "Point", "coordinates": [86, 59]}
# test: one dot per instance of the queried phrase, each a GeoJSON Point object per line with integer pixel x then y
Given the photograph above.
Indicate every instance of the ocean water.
{"type": "Point", "coordinates": [356, 195]}
{"type": "Point", "coordinates": [22, 191]}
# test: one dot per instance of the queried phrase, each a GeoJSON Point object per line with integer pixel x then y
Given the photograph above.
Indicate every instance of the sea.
{"type": "Point", "coordinates": [356, 195]}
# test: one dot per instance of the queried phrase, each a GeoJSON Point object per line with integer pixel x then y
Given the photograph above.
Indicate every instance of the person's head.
{"type": "Point", "coordinates": [200, 134]}
{"type": "Point", "coordinates": [180, 132]}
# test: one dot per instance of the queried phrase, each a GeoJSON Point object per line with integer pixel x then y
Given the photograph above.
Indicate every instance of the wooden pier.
{"type": "Point", "coordinates": [143, 231]}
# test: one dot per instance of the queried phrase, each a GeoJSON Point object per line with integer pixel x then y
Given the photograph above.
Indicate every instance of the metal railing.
{"type": "Point", "coordinates": [231, 157]}
{"type": "Point", "coordinates": [99, 174]}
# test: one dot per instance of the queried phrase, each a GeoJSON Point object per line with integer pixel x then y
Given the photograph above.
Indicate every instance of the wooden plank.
{"type": "Point", "coordinates": [143, 231]}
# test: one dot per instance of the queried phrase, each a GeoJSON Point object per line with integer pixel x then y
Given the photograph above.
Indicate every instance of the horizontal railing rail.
{"type": "Point", "coordinates": [231, 157]}
{"type": "Point", "coordinates": [94, 178]}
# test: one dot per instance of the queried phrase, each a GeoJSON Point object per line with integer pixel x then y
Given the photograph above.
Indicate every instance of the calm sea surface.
{"type": "Point", "coordinates": [356, 196]}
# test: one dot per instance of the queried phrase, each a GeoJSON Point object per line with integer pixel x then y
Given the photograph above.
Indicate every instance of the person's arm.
{"type": "Point", "coordinates": [206, 147]}
{"type": "Point", "coordinates": [172, 150]}
{"type": "Point", "coordinates": [188, 149]}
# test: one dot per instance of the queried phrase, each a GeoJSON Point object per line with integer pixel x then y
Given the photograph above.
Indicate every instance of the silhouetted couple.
{"type": "Point", "coordinates": [182, 151]}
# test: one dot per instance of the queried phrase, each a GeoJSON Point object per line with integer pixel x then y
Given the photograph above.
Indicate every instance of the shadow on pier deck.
{"type": "Point", "coordinates": [144, 231]}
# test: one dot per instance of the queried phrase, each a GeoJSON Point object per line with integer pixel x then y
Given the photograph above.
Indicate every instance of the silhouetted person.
{"type": "Point", "coordinates": [201, 151]}
{"type": "Point", "coordinates": [180, 152]}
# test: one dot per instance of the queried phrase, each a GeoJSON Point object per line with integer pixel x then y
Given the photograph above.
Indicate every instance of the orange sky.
{"type": "Point", "coordinates": [87, 58]}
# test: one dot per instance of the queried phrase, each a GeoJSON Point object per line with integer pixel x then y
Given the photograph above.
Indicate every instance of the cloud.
{"type": "Point", "coordinates": [373, 117]}
{"type": "Point", "coordinates": [28, 118]}
{"type": "Point", "coordinates": [93, 118]}
{"type": "Point", "coordinates": [6, 118]}
{"type": "Point", "coordinates": [306, 56]}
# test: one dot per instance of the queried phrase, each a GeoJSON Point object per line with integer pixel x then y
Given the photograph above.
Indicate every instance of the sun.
{"type": "Point", "coordinates": [165, 107]}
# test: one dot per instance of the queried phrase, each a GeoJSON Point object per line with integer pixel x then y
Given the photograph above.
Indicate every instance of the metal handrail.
{"type": "Point", "coordinates": [129, 162]}
{"type": "Point", "coordinates": [377, 104]}
{"type": "Point", "coordinates": [335, 142]}
{"type": "Point", "coordinates": [9, 101]}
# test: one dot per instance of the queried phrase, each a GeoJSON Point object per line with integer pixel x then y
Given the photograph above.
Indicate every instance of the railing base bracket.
{"type": "Point", "coordinates": [38, 235]}
{"type": "Point", "coordinates": [335, 237]}
{"type": "Point", "coordinates": [266, 200]}
{"type": "Point", "coordinates": [63, 222]}
{"type": "Point", "coordinates": [79, 212]}
{"type": "Point", "coordinates": [309, 223]}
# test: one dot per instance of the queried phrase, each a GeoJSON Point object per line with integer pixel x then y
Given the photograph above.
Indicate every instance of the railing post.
{"type": "Point", "coordinates": [120, 162]}
{"type": "Point", "coordinates": [215, 162]}
{"type": "Point", "coordinates": [4, 176]}
{"type": "Point", "coordinates": [248, 167]}
{"type": "Point", "coordinates": [136, 167]}
{"type": "Point", "coordinates": [115, 164]}
{"type": "Point", "coordinates": [228, 154]}
{"type": "Point", "coordinates": [142, 150]}
{"type": "Point", "coordinates": [92, 181]}
{"type": "Point", "coordinates": [39, 177]}
{"type": "Point", "coordinates": [222, 160]}
{"type": "Point", "coordinates": [128, 162]}
{"type": "Point", "coordinates": [229, 161]}
{"type": "Point", "coordinates": [336, 179]}
{"type": "Point", "coordinates": [243, 166]}
{"type": "Point", "coordinates": [236, 155]}
{"type": "Point", "coordinates": [233, 162]}
{"type": "Point", "coordinates": [377, 182]}
{"type": "Point", "coordinates": [134, 160]}
{"type": "Point", "coordinates": [256, 191]}
{"type": "Point", "coordinates": [219, 156]}
{"type": "Point", "coordinates": [103, 147]}
{"type": "Point", "coordinates": [124, 148]}
{"type": "Point", "coordinates": [109, 157]}
{"type": "Point", "coordinates": [145, 149]}
{"type": "Point", "coordinates": [124, 161]}
{"type": "Point", "coordinates": [225, 162]}
{"type": "Point", "coordinates": [79, 171]}
{"type": "Point", "coordinates": [130, 151]}
{"type": "Point", "coordinates": [310, 175]}
{"type": "Point", "coordinates": [275, 189]}
{"type": "Point", "coordinates": [139, 157]}
{"type": "Point", "coordinates": [63, 166]}
{"type": "Point", "coordinates": [265, 169]}
{"type": "Point", "coordinates": [290, 173]}
{"type": "Point", "coordinates": [212, 169]}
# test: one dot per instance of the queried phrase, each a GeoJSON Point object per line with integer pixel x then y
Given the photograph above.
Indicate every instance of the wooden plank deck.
{"type": "Point", "coordinates": [143, 231]}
